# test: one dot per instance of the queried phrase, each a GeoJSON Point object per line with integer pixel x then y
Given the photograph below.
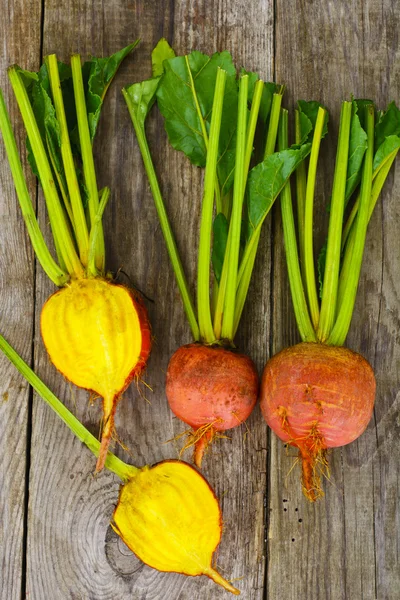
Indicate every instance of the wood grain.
{"type": "Point", "coordinates": [339, 548]}
{"type": "Point", "coordinates": [347, 546]}
{"type": "Point", "coordinates": [19, 21]}
{"type": "Point", "coordinates": [69, 511]}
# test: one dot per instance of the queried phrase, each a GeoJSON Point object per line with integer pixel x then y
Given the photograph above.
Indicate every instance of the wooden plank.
{"type": "Point", "coordinates": [73, 552]}
{"type": "Point", "coordinates": [20, 32]}
{"type": "Point", "coordinates": [347, 545]}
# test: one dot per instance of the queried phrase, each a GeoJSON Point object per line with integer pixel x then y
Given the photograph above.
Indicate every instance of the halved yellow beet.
{"type": "Point", "coordinates": [98, 336]}
{"type": "Point", "coordinates": [169, 517]}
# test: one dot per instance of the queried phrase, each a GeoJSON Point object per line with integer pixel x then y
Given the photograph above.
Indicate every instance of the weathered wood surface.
{"type": "Point", "coordinates": [19, 21]}
{"type": "Point", "coordinates": [347, 546]}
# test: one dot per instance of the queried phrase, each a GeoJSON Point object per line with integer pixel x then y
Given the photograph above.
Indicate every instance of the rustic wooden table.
{"type": "Point", "coordinates": [55, 539]}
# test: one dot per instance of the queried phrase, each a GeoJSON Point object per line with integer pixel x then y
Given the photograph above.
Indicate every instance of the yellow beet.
{"type": "Point", "coordinates": [170, 518]}
{"type": "Point", "coordinates": [97, 335]}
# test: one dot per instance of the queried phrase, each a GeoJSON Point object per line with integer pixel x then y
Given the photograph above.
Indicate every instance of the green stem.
{"type": "Point", "coordinates": [94, 232]}
{"type": "Point", "coordinates": [236, 217]}
{"type": "Point", "coordinates": [244, 283]}
{"type": "Point", "coordinates": [79, 219]}
{"type": "Point", "coordinates": [251, 247]}
{"type": "Point", "coordinates": [113, 463]}
{"type": "Point", "coordinates": [301, 186]}
{"type": "Point", "coordinates": [218, 199]}
{"type": "Point", "coordinates": [52, 270]}
{"type": "Point", "coordinates": [203, 272]}
{"type": "Point", "coordinates": [378, 178]}
{"type": "Point", "coordinates": [302, 315]}
{"type": "Point", "coordinates": [273, 123]}
{"type": "Point", "coordinates": [163, 218]}
{"type": "Point", "coordinates": [220, 302]}
{"type": "Point", "coordinates": [252, 124]}
{"type": "Point", "coordinates": [341, 327]}
{"type": "Point", "coordinates": [67, 204]}
{"type": "Point", "coordinates": [331, 277]}
{"type": "Point", "coordinates": [58, 222]}
{"type": "Point", "coordinates": [309, 271]}
{"type": "Point", "coordinates": [87, 155]}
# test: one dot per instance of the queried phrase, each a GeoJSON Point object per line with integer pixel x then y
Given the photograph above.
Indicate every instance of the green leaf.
{"type": "Point", "coordinates": [267, 180]}
{"type": "Point", "coordinates": [308, 112]}
{"type": "Point", "coordinates": [388, 124]}
{"type": "Point", "coordinates": [143, 95]}
{"type": "Point", "coordinates": [220, 230]}
{"type": "Point", "coordinates": [161, 52]}
{"type": "Point", "coordinates": [391, 143]}
{"type": "Point", "coordinates": [190, 79]}
{"type": "Point", "coordinates": [357, 148]}
{"type": "Point", "coordinates": [100, 72]}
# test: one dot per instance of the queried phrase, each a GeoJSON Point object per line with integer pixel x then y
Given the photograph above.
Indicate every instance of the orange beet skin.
{"type": "Point", "coordinates": [315, 397]}
{"type": "Point", "coordinates": [211, 386]}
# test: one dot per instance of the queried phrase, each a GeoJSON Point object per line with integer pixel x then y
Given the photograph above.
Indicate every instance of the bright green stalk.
{"type": "Point", "coordinates": [273, 123]}
{"type": "Point", "coordinates": [67, 204]}
{"type": "Point", "coordinates": [308, 252]}
{"type": "Point", "coordinates": [250, 250]}
{"type": "Point", "coordinates": [163, 218]}
{"type": "Point", "coordinates": [79, 219]}
{"type": "Point", "coordinates": [331, 277]}
{"type": "Point", "coordinates": [378, 178]}
{"type": "Point", "coordinates": [236, 216]}
{"type": "Point", "coordinates": [301, 186]}
{"type": "Point", "coordinates": [303, 320]}
{"type": "Point", "coordinates": [58, 222]}
{"type": "Point", "coordinates": [243, 286]}
{"type": "Point", "coordinates": [252, 124]}
{"type": "Point", "coordinates": [341, 327]}
{"type": "Point", "coordinates": [114, 464]}
{"type": "Point", "coordinates": [52, 270]}
{"type": "Point", "coordinates": [94, 232]}
{"type": "Point", "coordinates": [87, 155]}
{"type": "Point", "coordinates": [220, 302]}
{"type": "Point", "coordinates": [218, 200]}
{"type": "Point", "coordinates": [203, 271]}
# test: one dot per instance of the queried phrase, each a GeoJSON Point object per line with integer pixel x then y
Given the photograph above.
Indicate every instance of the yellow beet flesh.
{"type": "Point", "coordinates": [170, 518]}
{"type": "Point", "coordinates": [98, 336]}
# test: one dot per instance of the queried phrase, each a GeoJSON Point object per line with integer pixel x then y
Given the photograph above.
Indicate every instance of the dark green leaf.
{"type": "Point", "coordinates": [357, 147]}
{"type": "Point", "coordinates": [267, 180]}
{"type": "Point", "coordinates": [221, 229]}
{"type": "Point", "coordinates": [100, 74]}
{"type": "Point", "coordinates": [391, 143]}
{"type": "Point", "coordinates": [388, 124]}
{"type": "Point", "coordinates": [361, 104]}
{"type": "Point", "coordinates": [161, 52]}
{"type": "Point", "coordinates": [183, 123]}
{"type": "Point", "coordinates": [308, 112]}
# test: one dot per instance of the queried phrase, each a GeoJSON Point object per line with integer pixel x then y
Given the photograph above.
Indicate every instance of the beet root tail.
{"type": "Point", "coordinates": [314, 465]}
{"type": "Point", "coordinates": [201, 445]}
{"type": "Point", "coordinates": [109, 407]}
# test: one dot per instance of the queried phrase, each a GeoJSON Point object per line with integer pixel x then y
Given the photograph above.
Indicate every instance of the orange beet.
{"type": "Point", "coordinates": [315, 397]}
{"type": "Point", "coordinates": [211, 389]}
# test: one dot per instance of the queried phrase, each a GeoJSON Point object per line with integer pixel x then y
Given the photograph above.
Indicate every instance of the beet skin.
{"type": "Point", "coordinates": [314, 397]}
{"type": "Point", "coordinates": [211, 386]}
